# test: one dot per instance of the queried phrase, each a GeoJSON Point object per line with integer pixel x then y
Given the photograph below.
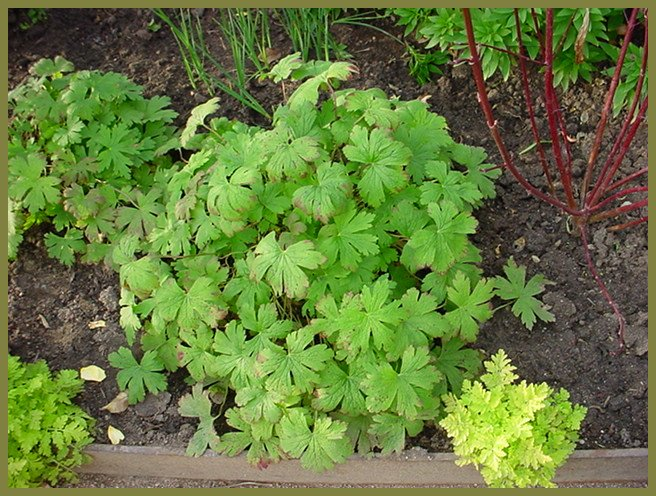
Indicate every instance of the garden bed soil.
{"type": "Point", "coordinates": [51, 306]}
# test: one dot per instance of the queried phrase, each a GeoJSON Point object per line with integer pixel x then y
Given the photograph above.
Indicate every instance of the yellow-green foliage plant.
{"type": "Point", "coordinates": [517, 435]}
{"type": "Point", "coordinates": [46, 430]}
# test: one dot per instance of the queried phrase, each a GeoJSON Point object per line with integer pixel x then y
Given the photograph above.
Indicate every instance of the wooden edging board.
{"type": "Point", "coordinates": [411, 467]}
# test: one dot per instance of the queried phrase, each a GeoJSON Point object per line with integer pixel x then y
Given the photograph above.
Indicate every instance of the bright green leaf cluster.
{"type": "Point", "coordinates": [46, 431]}
{"type": "Point", "coordinates": [516, 434]}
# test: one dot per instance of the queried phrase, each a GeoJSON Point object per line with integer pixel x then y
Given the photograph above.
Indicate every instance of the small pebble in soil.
{"type": "Point", "coordinates": [636, 338]}
{"type": "Point", "coordinates": [143, 34]}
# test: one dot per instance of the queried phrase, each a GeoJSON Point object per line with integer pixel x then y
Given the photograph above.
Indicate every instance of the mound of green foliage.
{"type": "Point", "coordinates": [81, 145]}
{"type": "Point", "coordinates": [46, 431]}
{"type": "Point", "coordinates": [517, 435]}
{"type": "Point", "coordinates": [321, 270]}
{"type": "Point", "coordinates": [316, 279]}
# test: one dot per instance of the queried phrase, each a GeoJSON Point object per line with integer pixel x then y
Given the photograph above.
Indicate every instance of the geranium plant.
{"type": "Point", "coordinates": [318, 275]}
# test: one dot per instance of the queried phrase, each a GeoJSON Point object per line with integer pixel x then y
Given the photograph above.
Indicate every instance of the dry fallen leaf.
{"type": "Point", "coordinates": [92, 373]}
{"type": "Point", "coordinates": [97, 324]}
{"type": "Point", "coordinates": [519, 243]}
{"type": "Point", "coordinates": [580, 38]}
{"type": "Point", "coordinates": [114, 435]}
{"type": "Point", "coordinates": [118, 404]}
{"type": "Point", "coordinates": [44, 322]}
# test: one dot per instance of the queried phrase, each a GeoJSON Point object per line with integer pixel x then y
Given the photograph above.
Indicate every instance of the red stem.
{"type": "Point", "coordinates": [602, 182]}
{"type": "Point", "coordinates": [553, 114]}
{"type": "Point", "coordinates": [529, 106]}
{"type": "Point", "coordinates": [617, 196]}
{"type": "Point", "coordinates": [602, 287]}
{"type": "Point", "coordinates": [601, 127]}
{"type": "Point", "coordinates": [477, 72]}
{"type": "Point", "coordinates": [603, 177]}
{"type": "Point", "coordinates": [628, 118]}
{"type": "Point", "coordinates": [632, 223]}
{"type": "Point", "coordinates": [627, 179]}
{"type": "Point", "coordinates": [619, 210]}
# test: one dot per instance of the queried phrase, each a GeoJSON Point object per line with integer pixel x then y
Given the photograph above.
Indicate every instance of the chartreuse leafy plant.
{"type": "Point", "coordinates": [46, 431]}
{"type": "Point", "coordinates": [516, 434]}
{"type": "Point", "coordinates": [318, 274]}
{"type": "Point", "coordinates": [82, 147]}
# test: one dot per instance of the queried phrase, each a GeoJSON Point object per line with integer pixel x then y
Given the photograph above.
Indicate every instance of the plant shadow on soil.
{"type": "Point", "coordinates": [50, 306]}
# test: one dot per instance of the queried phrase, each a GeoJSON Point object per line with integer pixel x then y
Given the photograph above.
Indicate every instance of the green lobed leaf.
{"type": "Point", "coordinates": [234, 359]}
{"type": "Point", "coordinates": [514, 287]}
{"type": "Point", "coordinates": [369, 320]}
{"type": "Point", "coordinates": [65, 247]}
{"type": "Point", "coordinates": [442, 244]}
{"type": "Point", "coordinates": [400, 392]}
{"type": "Point", "coordinates": [297, 364]}
{"type": "Point", "coordinates": [328, 196]}
{"type": "Point", "coordinates": [28, 185]}
{"type": "Point", "coordinates": [198, 404]}
{"type": "Point", "coordinates": [283, 268]}
{"type": "Point", "coordinates": [383, 161]}
{"type": "Point", "coordinates": [340, 389]}
{"type": "Point", "coordinates": [196, 119]}
{"type": "Point", "coordinates": [471, 305]}
{"type": "Point", "coordinates": [188, 308]}
{"type": "Point", "coordinates": [318, 449]}
{"type": "Point", "coordinates": [389, 430]}
{"type": "Point", "coordinates": [348, 238]}
{"type": "Point", "coordinates": [137, 377]}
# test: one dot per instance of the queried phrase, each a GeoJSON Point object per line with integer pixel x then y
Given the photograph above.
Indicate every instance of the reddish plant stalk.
{"type": "Point", "coordinates": [492, 123]}
{"type": "Point", "coordinates": [626, 225]}
{"type": "Point", "coordinates": [617, 196]}
{"type": "Point", "coordinates": [601, 127]}
{"type": "Point", "coordinates": [627, 179]}
{"type": "Point", "coordinates": [529, 106]}
{"type": "Point", "coordinates": [619, 210]}
{"type": "Point", "coordinates": [553, 111]}
{"type": "Point", "coordinates": [604, 178]}
{"type": "Point", "coordinates": [585, 207]}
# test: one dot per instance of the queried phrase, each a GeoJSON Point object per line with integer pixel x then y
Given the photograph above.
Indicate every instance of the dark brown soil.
{"type": "Point", "coordinates": [51, 306]}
